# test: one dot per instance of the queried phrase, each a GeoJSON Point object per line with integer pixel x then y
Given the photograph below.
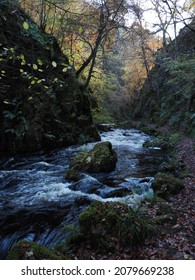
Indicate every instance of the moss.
{"type": "Point", "coordinates": [165, 185]}
{"type": "Point", "coordinates": [102, 158]}
{"type": "Point", "coordinates": [103, 224]}
{"type": "Point", "coordinates": [72, 175]}
{"type": "Point", "coordinates": [42, 106]}
{"type": "Point", "coordinates": [25, 250]}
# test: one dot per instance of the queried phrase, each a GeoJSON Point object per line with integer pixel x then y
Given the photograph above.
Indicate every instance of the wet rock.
{"type": "Point", "coordinates": [106, 127]}
{"type": "Point", "coordinates": [72, 175]}
{"type": "Point", "coordinates": [118, 193]}
{"type": "Point", "coordinates": [102, 158]}
{"type": "Point", "coordinates": [82, 201]}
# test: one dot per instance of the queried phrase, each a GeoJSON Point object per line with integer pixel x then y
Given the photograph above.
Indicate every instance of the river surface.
{"type": "Point", "coordinates": [36, 201]}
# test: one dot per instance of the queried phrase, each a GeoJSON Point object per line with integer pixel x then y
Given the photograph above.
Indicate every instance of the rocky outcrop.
{"type": "Point", "coordinates": [42, 104]}
{"type": "Point", "coordinates": [168, 97]}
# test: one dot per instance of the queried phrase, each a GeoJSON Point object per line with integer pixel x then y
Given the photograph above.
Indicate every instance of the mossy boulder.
{"type": "Point", "coordinates": [106, 225]}
{"type": "Point", "coordinates": [25, 250]}
{"type": "Point", "coordinates": [165, 185]}
{"type": "Point", "coordinates": [161, 142]}
{"type": "Point", "coordinates": [102, 158]}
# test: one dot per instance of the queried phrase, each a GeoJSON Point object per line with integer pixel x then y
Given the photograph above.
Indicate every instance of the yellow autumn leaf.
{"type": "Point", "coordinates": [26, 25]}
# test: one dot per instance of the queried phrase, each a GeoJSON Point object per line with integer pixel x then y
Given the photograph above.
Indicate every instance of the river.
{"type": "Point", "coordinates": [36, 201]}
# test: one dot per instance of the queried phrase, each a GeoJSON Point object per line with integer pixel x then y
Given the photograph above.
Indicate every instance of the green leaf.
{"type": "Point", "coordinates": [39, 61]}
{"type": "Point", "coordinates": [54, 64]}
{"type": "Point", "coordinates": [22, 57]}
{"type": "Point", "coordinates": [49, 136]}
{"type": "Point", "coordinates": [9, 115]}
{"type": "Point", "coordinates": [6, 102]}
{"type": "Point", "coordinates": [35, 67]}
{"type": "Point", "coordinates": [10, 130]}
{"type": "Point", "coordinates": [26, 25]}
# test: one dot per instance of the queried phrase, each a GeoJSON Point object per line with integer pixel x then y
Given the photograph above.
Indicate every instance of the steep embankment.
{"type": "Point", "coordinates": [167, 97]}
{"type": "Point", "coordinates": [42, 104]}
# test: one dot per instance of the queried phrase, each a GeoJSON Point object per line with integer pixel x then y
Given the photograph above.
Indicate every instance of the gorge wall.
{"type": "Point", "coordinates": [42, 103]}
{"type": "Point", "coordinates": [167, 97]}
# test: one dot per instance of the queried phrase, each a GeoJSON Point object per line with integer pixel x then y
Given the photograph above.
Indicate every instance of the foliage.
{"type": "Point", "coordinates": [42, 101]}
{"type": "Point", "coordinates": [108, 223]}
{"type": "Point", "coordinates": [24, 250]}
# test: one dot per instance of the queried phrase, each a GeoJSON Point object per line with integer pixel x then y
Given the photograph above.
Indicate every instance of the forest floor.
{"type": "Point", "coordinates": [176, 239]}
{"type": "Point", "coordinates": [179, 243]}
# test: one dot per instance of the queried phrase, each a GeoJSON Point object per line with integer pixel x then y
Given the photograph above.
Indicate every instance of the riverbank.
{"type": "Point", "coordinates": [175, 238]}
{"type": "Point", "coordinates": [179, 244]}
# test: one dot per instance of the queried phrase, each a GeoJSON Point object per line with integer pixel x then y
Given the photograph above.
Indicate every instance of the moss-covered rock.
{"type": "Point", "coordinates": [108, 224]}
{"type": "Point", "coordinates": [102, 158]}
{"type": "Point", "coordinates": [42, 103]}
{"type": "Point", "coordinates": [160, 142]}
{"type": "Point", "coordinates": [72, 175]}
{"type": "Point", "coordinates": [25, 250]}
{"type": "Point", "coordinates": [165, 185]}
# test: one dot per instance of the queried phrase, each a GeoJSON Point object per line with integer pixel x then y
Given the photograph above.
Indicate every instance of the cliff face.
{"type": "Point", "coordinates": [42, 104]}
{"type": "Point", "coordinates": [168, 94]}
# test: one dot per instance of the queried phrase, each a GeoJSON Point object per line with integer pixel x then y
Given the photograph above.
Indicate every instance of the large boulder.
{"type": "Point", "coordinates": [102, 158]}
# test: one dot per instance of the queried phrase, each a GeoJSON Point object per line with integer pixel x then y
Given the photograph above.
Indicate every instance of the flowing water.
{"type": "Point", "coordinates": [36, 201]}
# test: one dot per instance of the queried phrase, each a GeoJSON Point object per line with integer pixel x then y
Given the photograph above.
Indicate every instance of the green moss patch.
{"type": "Point", "coordinates": [25, 250]}
{"type": "Point", "coordinates": [106, 224]}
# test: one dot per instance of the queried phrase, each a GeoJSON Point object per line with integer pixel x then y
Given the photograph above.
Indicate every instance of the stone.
{"type": "Point", "coordinates": [102, 158]}
{"type": "Point", "coordinates": [165, 185]}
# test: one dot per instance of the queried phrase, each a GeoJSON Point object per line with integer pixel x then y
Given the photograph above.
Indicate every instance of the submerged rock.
{"type": "Point", "coordinates": [102, 158]}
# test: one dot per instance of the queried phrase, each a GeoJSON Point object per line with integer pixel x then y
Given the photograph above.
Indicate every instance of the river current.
{"type": "Point", "coordinates": [36, 201]}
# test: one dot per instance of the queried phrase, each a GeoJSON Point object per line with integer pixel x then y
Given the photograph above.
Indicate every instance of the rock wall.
{"type": "Point", "coordinates": [42, 104]}
{"type": "Point", "coordinates": [168, 95]}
